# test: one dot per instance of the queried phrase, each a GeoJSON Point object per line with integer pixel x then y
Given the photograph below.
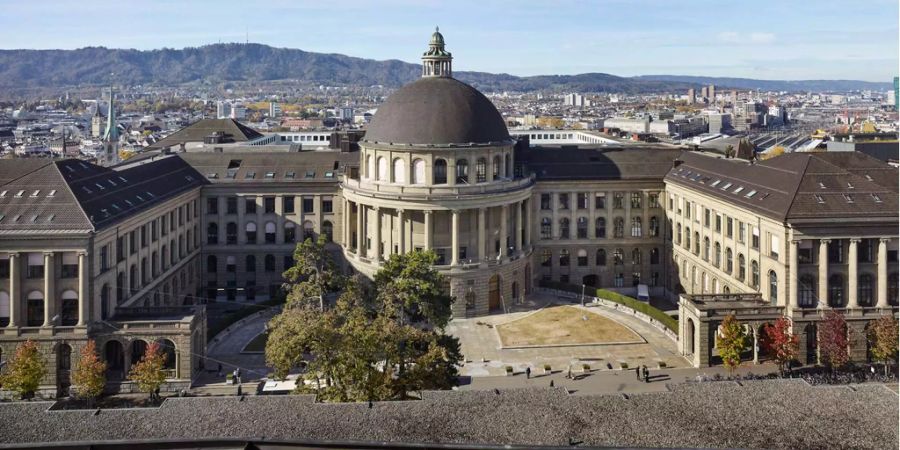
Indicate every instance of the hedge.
{"type": "Point", "coordinates": [616, 297]}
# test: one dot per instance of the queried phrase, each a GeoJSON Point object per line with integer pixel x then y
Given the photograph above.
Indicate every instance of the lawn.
{"type": "Point", "coordinates": [564, 325]}
{"type": "Point", "coordinates": [257, 344]}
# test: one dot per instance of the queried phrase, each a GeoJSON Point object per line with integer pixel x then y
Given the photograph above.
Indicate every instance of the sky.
{"type": "Point", "coordinates": [764, 39]}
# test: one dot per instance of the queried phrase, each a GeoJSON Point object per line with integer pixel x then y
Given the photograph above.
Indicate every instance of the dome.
{"type": "Point", "coordinates": [438, 111]}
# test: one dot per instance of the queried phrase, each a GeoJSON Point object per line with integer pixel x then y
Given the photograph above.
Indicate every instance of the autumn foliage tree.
{"type": "Point", "coordinates": [26, 369]}
{"type": "Point", "coordinates": [731, 342]}
{"type": "Point", "coordinates": [780, 343]}
{"type": "Point", "coordinates": [149, 373]}
{"type": "Point", "coordinates": [883, 337]}
{"type": "Point", "coordinates": [89, 376]}
{"type": "Point", "coordinates": [834, 342]}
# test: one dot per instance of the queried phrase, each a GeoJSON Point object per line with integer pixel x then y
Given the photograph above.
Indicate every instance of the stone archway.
{"type": "Point", "coordinates": [63, 369]}
{"type": "Point", "coordinates": [114, 355]}
{"type": "Point", "coordinates": [494, 301]}
{"type": "Point", "coordinates": [690, 337]}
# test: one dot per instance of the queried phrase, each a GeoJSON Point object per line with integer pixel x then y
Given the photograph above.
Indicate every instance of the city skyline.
{"type": "Point", "coordinates": [825, 40]}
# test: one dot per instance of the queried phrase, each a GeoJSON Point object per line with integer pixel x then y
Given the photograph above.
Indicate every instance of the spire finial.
{"type": "Point", "coordinates": [437, 28]}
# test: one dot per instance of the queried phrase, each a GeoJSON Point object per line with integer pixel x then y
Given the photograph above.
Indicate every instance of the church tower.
{"type": "Point", "coordinates": [436, 62]}
{"type": "Point", "coordinates": [111, 135]}
{"type": "Point", "coordinates": [97, 122]}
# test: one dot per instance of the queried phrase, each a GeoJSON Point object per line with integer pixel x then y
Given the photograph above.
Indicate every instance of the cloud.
{"type": "Point", "coordinates": [755, 38]}
{"type": "Point", "coordinates": [762, 38]}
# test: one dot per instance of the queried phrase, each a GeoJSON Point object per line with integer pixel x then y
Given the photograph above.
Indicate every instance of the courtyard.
{"type": "Point", "coordinates": [564, 325]}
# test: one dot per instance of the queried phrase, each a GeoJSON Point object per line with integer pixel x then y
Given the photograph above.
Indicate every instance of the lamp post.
{"type": "Point", "coordinates": [582, 294]}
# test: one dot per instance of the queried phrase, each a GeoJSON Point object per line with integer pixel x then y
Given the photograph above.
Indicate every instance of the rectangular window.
{"type": "Point", "coordinates": [718, 223]}
{"type": "Point", "coordinates": [729, 227]}
{"type": "Point", "coordinates": [212, 205]}
{"type": "Point", "coordinates": [774, 244]}
{"type": "Point", "coordinates": [563, 201]}
{"type": "Point", "coordinates": [104, 258]}
{"type": "Point", "coordinates": [327, 206]}
{"type": "Point", "coordinates": [120, 249]}
{"type": "Point", "coordinates": [545, 201]}
{"type": "Point", "coordinates": [308, 205]}
{"type": "Point", "coordinates": [582, 200]}
{"type": "Point", "coordinates": [706, 215]}
{"type": "Point", "coordinates": [754, 241]}
{"type": "Point", "coordinates": [653, 199]}
{"type": "Point", "coordinates": [600, 200]}
{"type": "Point", "coordinates": [742, 230]}
{"type": "Point", "coordinates": [618, 200]}
{"type": "Point", "coordinates": [287, 204]}
{"type": "Point", "coordinates": [132, 242]}
{"type": "Point", "coordinates": [268, 205]}
{"type": "Point", "coordinates": [231, 205]}
{"type": "Point", "coordinates": [250, 205]}
{"type": "Point", "coordinates": [636, 200]}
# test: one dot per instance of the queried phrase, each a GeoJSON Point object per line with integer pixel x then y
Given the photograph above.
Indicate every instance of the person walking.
{"type": "Point", "coordinates": [646, 374]}
{"type": "Point", "coordinates": [569, 373]}
{"type": "Point", "coordinates": [637, 373]}
{"type": "Point", "coordinates": [528, 373]}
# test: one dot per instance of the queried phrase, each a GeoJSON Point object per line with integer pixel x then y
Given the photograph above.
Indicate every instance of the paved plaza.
{"type": "Point", "coordinates": [484, 356]}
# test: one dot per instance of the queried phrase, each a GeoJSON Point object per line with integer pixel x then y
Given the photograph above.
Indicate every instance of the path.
{"type": "Point", "coordinates": [227, 351]}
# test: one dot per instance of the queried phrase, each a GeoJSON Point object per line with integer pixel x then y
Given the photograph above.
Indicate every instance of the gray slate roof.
{"type": "Point", "coordinates": [597, 163]}
{"type": "Point", "coordinates": [232, 130]}
{"type": "Point", "coordinates": [256, 167]}
{"type": "Point", "coordinates": [796, 186]}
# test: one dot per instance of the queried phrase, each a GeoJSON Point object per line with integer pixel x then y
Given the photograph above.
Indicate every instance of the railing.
{"type": "Point", "coordinates": [149, 312]}
{"type": "Point", "coordinates": [385, 190]}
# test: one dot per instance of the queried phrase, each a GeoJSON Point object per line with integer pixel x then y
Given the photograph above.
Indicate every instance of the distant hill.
{"type": "Point", "coordinates": [774, 85]}
{"type": "Point", "coordinates": [32, 69]}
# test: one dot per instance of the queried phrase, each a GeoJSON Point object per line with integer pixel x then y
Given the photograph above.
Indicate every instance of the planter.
{"type": "Point", "coordinates": [547, 369]}
{"type": "Point", "coordinates": [623, 365]}
{"type": "Point", "coordinates": [660, 364]}
{"type": "Point", "coordinates": [509, 371]}
{"type": "Point", "coordinates": [585, 368]}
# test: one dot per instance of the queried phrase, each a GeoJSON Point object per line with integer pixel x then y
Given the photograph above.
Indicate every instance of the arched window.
{"type": "Point", "coordinates": [270, 232]}
{"type": "Point", "coordinates": [418, 171]}
{"type": "Point", "coordinates": [250, 263]}
{"type": "Point", "coordinates": [104, 302]}
{"type": "Point", "coordinates": [35, 309]}
{"type": "Point", "coordinates": [636, 256]}
{"type": "Point", "coordinates": [807, 293]}
{"type": "Point", "coordinates": [600, 228]}
{"type": "Point", "coordinates": [563, 258]}
{"type": "Point", "coordinates": [481, 170]}
{"type": "Point", "coordinates": [754, 274]}
{"type": "Point", "coordinates": [269, 263]}
{"type": "Point", "coordinates": [742, 267]}
{"type": "Point", "coordinates": [600, 258]}
{"type": "Point", "coordinates": [717, 255]}
{"type": "Point", "coordinates": [636, 227]}
{"type": "Point", "coordinates": [697, 243]}
{"type": "Point", "coordinates": [231, 233]}
{"type": "Point", "coordinates": [546, 228]}
{"type": "Point", "coordinates": [133, 278]}
{"type": "Point", "coordinates": [706, 249]}
{"type": "Point", "coordinates": [729, 261]}
{"type": "Point", "coordinates": [462, 171]}
{"type": "Point", "coordinates": [327, 230]}
{"type": "Point", "coordinates": [495, 168]}
{"type": "Point", "coordinates": [308, 231]}
{"type": "Point", "coordinates": [654, 227]}
{"type": "Point", "coordinates": [618, 257]}
{"type": "Point", "coordinates": [212, 233]}
{"type": "Point", "coordinates": [618, 227]}
{"type": "Point", "coordinates": [704, 280]}
{"type": "Point", "coordinates": [546, 257]}
{"type": "Point", "coordinates": [564, 228]}
{"type": "Point", "coordinates": [440, 171]}
{"type": "Point", "coordinates": [687, 238]}
{"type": "Point", "coordinates": [864, 290]}
{"type": "Point", "coordinates": [399, 171]}
{"type": "Point", "coordinates": [654, 256]}
{"type": "Point", "coordinates": [290, 232]}
{"type": "Point", "coordinates": [230, 264]}
{"type": "Point", "coordinates": [250, 232]}
{"type": "Point", "coordinates": [582, 228]}
{"type": "Point", "coordinates": [835, 291]}
{"type": "Point", "coordinates": [4, 309]}
{"type": "Point", "coordinates": [212, 264]}
{"type": "Point", "coordinates": [678, 234]}
{"type": "Point", "coordinates": [582, 257]}
{"type": "Point", "coordinates": [893, 289]}
{"type": "Point", "coordinates": [773, 287]}
{"type": "Point", "coordinates": [382, 169]}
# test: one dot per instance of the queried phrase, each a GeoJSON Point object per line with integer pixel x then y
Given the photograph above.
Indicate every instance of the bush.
{"type": "Point", "coordinates": [509, 370]}
{"type": "Point", "coordinates": [623, 365]}
{"type": "Point", "coordinates": [586, 367]}
{"type": "Point", "coordinates": [633, 303]}
{"type": "Point", "coordinates": [547, 368]}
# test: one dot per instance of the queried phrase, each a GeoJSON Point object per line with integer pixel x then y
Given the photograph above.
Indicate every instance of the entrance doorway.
{"type": "Point", "coordinates": [494, 293]}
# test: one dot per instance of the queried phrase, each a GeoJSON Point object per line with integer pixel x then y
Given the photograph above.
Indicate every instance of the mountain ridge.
{"type": "Point", "coordinates": [217, 63]}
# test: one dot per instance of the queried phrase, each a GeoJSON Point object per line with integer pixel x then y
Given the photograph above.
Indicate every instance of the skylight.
{"type": "Point", "coordinates": [310, 174]}
{"type": "Point", "coordinates": [726, 186]}
{"type": "Point", "coordinates": [329, 174]}
{"type": "Point", "coordinates": [821, 185]}
{"type": "Point", "coordinates": [270, 175]}
{"type": "Point", "coordinates": [87, 189]}
{"type": "Point", "coordinates": [738, 190]}
{"type": "Point", "coordinates": [19, 194]}
{"type": "Point", "coordinates": [848, 197]}
{"type": "Point", "coordinates": [750, 194]}
{"type": "Point", "coordinates": [876, 198]}
{"type": "Point", "coordinates": [819, 198]}
{"type": "Point", "coordinates": [112, 183]}
{"type": "Point", "coordinates": [52, 193]}
{"type": "Point", "coordinates": [869, 177]}
{"type": "Point", "coordinates": [849, 185]}
{"type": "Point", "coordinates": [212, 176]}
{"type": "Point", "coordinates": [715, 183]}
{"type": "Point", "coordinates": [289, 174]}
{"type": "Point", "coordinates": [3, 194]}
{"type": "Point", "coordinates": [36, 193]}
{"type": "Point", "coordinates": [250, 175]}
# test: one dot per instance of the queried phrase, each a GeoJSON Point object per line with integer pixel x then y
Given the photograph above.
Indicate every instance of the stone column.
{"type": "Point", "coordinates": [360, 239]}
{"type": "Point", "coordinates": [554, 226]}
{"type": "Point", "coordinates": [377, 234]}
{"type": "Point", "coordinates": [519, 230]}
{"type": "Point", "coordinates": [83, 291]}
{"type": "Point", "coordinates": [852, 298]}
{"type": "Point", "coordinates": [15, 297]}
{"type": "Point", "coordinates": [504, 232]}
{"type": "Point", "coordinates": [792, 281]}
{"type": "Point", "coordinates": [49, 289]}
{"type": "Point", "coordinates": [242, 226]}
{"type": "Point", "coordinates": [823, 273]}
{"type": "Point", "coordinates": [454, 238]}
{"type": "Point", "coordinates": [882, 273]}
{"type": "Point", "coordinates": [401, 232]}
{"type": "Point", "coordinates": [482, 229]}
{"type": "Point", "coordinates": [529, 223]}
{"type": "Point", "coordinates": [428, 235]}
{"type": "Point", "coordinates": [279, 221]}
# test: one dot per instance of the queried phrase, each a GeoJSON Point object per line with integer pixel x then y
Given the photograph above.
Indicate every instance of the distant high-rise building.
{"type": "Point", "coordinates": [897, 93]}
{"type": "Point", "coordinates": [110, 138]}
{"type": "Point", "coordinates": [712, 93]}
{"type": "Point", "coordinates": [692, 97]}
{"type": "Point", "coordinates": [733, 96]}
{"type": "Point", "coordinates": [703, 92]}
{"type": "Point", "coordinates": [576, 100]}
{"type": "Point", "coordinates": [223, 110]}
{"type": "Point", "coordinates": [238, 111]}
{"type": "Point", "coordinates": [96, 122]}
{"type": "Point", "coordinates": [274, 110]}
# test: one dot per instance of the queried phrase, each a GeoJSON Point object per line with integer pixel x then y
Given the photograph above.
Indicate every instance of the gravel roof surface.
{"type": "Point", "coordinates": [757, 414]}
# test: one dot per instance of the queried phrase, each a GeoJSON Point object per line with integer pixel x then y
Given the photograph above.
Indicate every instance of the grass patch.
{"type": "Point", "coordinates": [563, 325]}
{"type": "Point", "coordinates": [633, 303]}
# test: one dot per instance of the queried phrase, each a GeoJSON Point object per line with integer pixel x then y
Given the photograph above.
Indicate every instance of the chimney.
{"type": "Point", "coordinates": [676, 163]}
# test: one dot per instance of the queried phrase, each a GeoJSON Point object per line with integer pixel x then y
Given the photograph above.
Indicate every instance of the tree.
{"type": "Point", "coordinates": [149, 373]}
{"type": "Point", "coordinates": [313, 274]}
{"type": "Point", "coordinates": [25, 371]}
{"type": "Point", "coordinates": [834, 342]}
{"type": "Point", "coordinates": [780, 343]}
{"type": "Point", "coordinates": [883, 336]}
{"type": "Point", "coordinates": [89, 375]}
{"type": "Point", "coordinates": [377, 342]}
{"type": "Point", "coordinates": [731, 342]}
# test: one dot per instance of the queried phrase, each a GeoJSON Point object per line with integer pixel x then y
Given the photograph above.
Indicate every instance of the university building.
{"type": "Point", "coordinates": [129, 254]}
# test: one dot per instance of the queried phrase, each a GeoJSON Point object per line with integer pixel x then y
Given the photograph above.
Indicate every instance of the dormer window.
{"type": "Point", "coordinates": [849, 185]}
{"type": "Point", "coordinates": [819, 198]}
{"type": "Point", "coordinates": [848, 197]}
{"type": "Point", "coordinates": [36, 193]}
{"type": "Point", "coordinates": [19, 194]}
{"type": "Point", "coordinates": [876, 198]}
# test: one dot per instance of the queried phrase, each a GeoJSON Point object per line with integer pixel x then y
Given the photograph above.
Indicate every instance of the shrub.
{"type": "Point", "coordinates": [547, 368]}
{"type": "Point", "coordinates": [633, 303]}
{"type": "Point", "coordinates": [623, 365]}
